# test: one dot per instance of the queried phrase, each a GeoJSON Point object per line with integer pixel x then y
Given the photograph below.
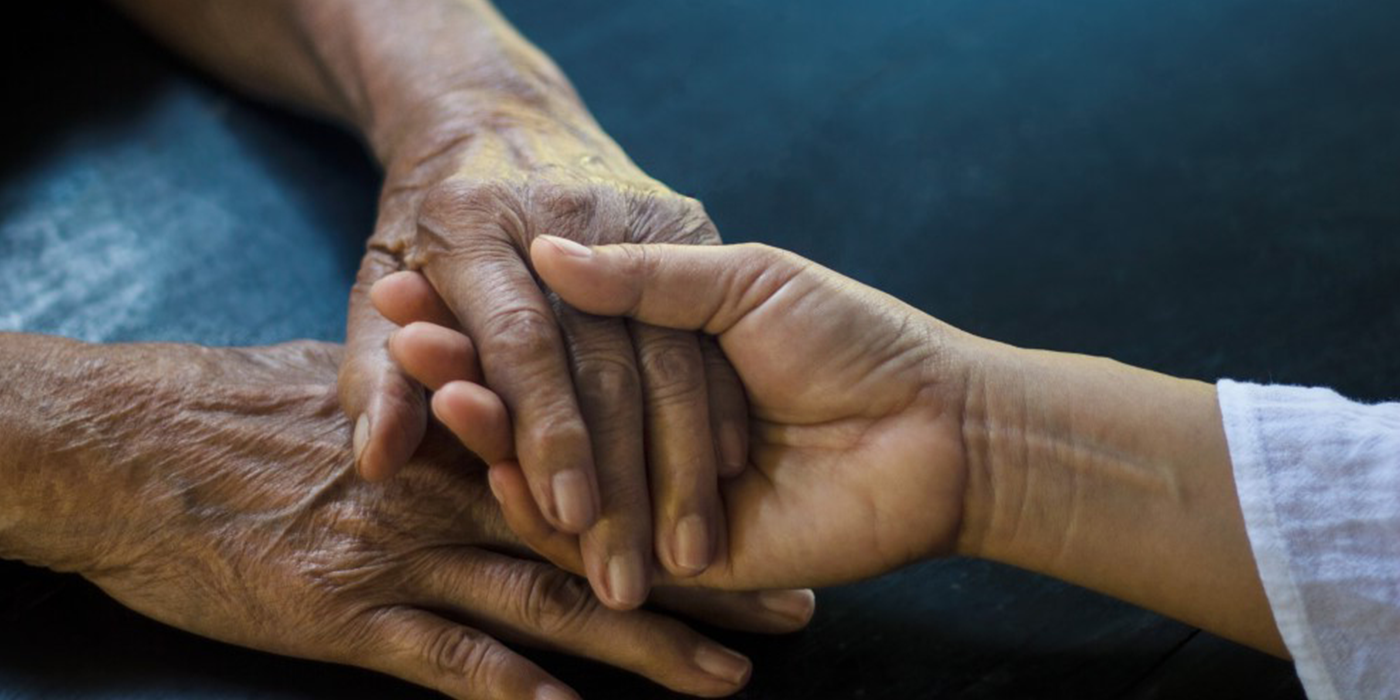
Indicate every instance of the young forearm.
{"type": "Point", "coordinates": [1114, 478]}
{"type": "Point", "coordinates": [390, 69]}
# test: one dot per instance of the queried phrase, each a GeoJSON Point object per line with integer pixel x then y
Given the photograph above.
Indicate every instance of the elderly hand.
{"type": "Point", "coordinates": [485, 145]}
{"type": "Point", "coordinates": [213, 489]}
{"type": "Point", "coordinates": [582, 391]}
{"type": "Point", "coordinates": [858, 462]}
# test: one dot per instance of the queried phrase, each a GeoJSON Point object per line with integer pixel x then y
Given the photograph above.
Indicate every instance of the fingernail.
{"type": "Point", "coordinates": [569, 247]}
{"type": "Point", "coordinates": [794, 605]}
{"type": "Point", "coordinates": [723, 664]}
{"type": "Point", "coordinates": [573, 500]}
{"type": "Point", "coordinates": [731, 446]}
{"type": "Point", "coordinates": [360, 439]}
{"type": "Point", "coordinates": [625, 582]}
{"type": "Point", "coordinates": [550, 691]}
{"type": "Point", "coordinates": [692, 544]}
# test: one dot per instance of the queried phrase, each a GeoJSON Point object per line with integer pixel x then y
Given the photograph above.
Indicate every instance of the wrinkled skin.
{"type": "Point", "coordinates": [858, 464]}
{"type": "Point", "coordinates": [213, 489]}
{"type": "Point", "coordinates": [583, 391]}
{"type": "Point", "coordinates": [485, 144]}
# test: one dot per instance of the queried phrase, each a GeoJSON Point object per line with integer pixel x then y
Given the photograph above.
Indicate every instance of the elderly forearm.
{"type": "Point", "coordinates": [1114, 478]}
{"type": "Point", "coordinates": [389, 68]}
{"type": "Point", "coordinates": [54, 431]}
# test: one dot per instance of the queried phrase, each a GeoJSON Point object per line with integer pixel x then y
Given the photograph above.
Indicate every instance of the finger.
{"type": "Point", "coordinates": [771, 612]}
{"type": "Point", "coordinates": [477, 417]}
{"type": "Point", "coordinates": [524, 518]}
{"type": "Point", "coordinates": [455, 660]}
{"type": "Point", "coordinates": [708, 288]}
{"type": "Point", "coordinates": [729, 409]}
{"type": "Point", "coordinates": [617, 549]}
{"type": "Point", "coordinates": [764, 612]}
{"type": "Point", "coordinates": [405, 297]}
{"type": "Point", "coordinates": [434, 355]}
{"type": "Point", "coordinates": [537, 604]}
{"type": "Point", "coordinates": [445, 361]}
{"type": "Point", "coordinates": [387, 408]}
{"type": "Point", "coordinates": [680, 449]}
{"type": "Point", "coordinates": [522, 357]}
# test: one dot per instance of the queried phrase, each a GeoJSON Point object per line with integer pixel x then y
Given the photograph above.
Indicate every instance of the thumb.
{"type": "Point", "coordinates": [387, 408]}
{"type": "Point", "coordinates": [709, 288]}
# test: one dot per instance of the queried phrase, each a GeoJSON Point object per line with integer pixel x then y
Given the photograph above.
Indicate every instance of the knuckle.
{"type": "Point", "coordinates": [671, 370]}
{"type": "Point", "coordinates": [489, 209]}
{"type": "Point", "coordinates": [566, 200]}
{"type": "Point", "coordinates": [607, 379]}
{"type": "Point", "coordinates": [667, 217]}
{"type": "Point", "coordinates": [638, 261]}
{"type": "Point", "coordinates": [692, 206]}
{"type": "Point", "coordinates": [520, 332]}
{"type": "Point", "coordinates": [762, 272]}
{"type": "Point", "coordinates": [698, 228]}
{"type": "Point", "coordinates": [558, 434]}
{"type": "Point", "coordinates": [556, 604]}
{"type": "Point", "coordinates": [459, 651]}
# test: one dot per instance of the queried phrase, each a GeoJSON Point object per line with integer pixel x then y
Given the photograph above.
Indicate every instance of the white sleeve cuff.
{"type": "Point", "coordinates": [1319, 484]}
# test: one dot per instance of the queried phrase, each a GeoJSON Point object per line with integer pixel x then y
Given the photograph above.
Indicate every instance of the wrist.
{"type": "Point", "coordinates": [1117, 479]}
{"type": "Point", "coordinates": [486, 131]}
{"type": "Point", "coordinates": [437, 71]}
{"type": "Point", "coordinates": [989, 427]}
{"type": "Point", "coordinates": [1047, 433]}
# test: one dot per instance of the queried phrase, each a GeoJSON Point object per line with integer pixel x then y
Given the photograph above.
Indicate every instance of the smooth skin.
{"type": "Point", "coordinates": [881, 436]}
{"type": "Point", "coordinates": [622, 427]}
{"type": "Point", "coordinates": [214, 489]}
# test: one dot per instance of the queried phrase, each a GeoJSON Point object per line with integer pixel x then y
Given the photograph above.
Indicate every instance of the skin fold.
{"type": "Point", "coordinates": [882, 436]}
{"type": "Point", "coordinates": [622, 428]}
{"type": "Point", "coordinates": [214, 490]}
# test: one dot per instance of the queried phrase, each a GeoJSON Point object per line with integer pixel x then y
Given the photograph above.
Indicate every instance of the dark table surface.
{"type": "Point", "coordinates": [1204, 187]}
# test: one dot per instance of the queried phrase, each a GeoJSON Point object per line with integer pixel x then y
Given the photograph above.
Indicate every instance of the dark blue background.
{"type": "Point", "coordinates": [1204, 187]}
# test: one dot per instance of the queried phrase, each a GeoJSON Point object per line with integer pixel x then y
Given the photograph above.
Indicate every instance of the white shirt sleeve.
{"type": "Point", "coordinates": [1319, 483]}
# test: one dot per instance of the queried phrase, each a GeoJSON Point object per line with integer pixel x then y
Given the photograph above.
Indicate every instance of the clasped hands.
{"type": "Point", "coordinates": [255, 526]}
{"type": "Point", "coordinates": [695, 426]}
{"type": "Point", "coordinates": [656, 449]}
{"type": "Point", "coordinates": [856, 460]}
{"type": "Point", "coordinates": [634, 451]}
{"type": "Point", "coordinates": [877, 436]}
{"type": "Point", "coordinates": [630, 434]}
